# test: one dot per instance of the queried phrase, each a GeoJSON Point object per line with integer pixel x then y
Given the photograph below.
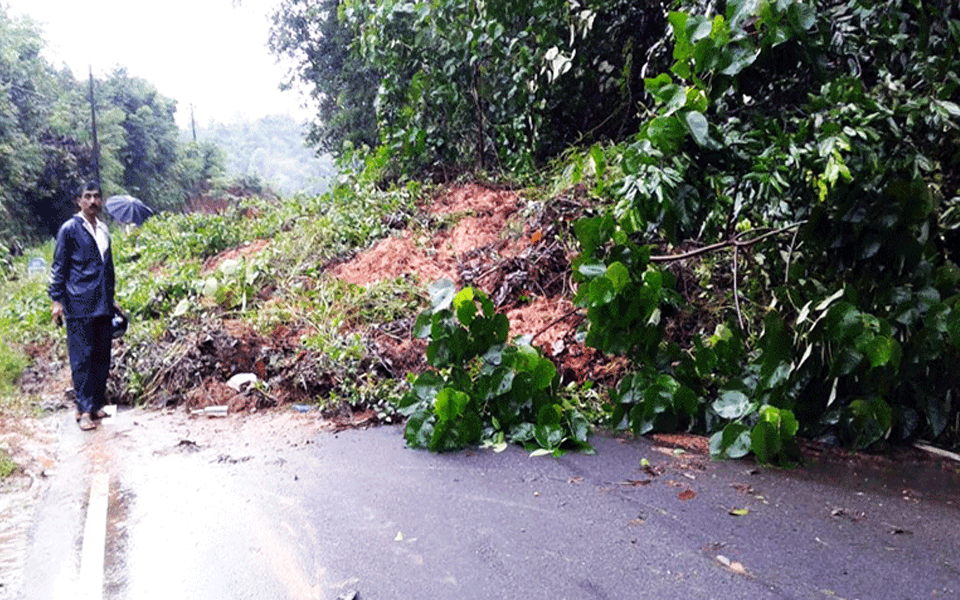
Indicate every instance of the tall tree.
{"type": "Point", "coordinates": [149, 148]}
{"type": "Point", "coordinates": [343, 85]}
{"type": "Point", "coordinates": [467, 82]}
{"type": "Point", "coordinates": [24, 98]}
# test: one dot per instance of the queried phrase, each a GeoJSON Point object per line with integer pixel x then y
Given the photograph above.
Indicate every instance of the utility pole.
{"type": "Point", "coordinates": [193, 124]}
{"type": "Point", "coordinates": [93, 119]}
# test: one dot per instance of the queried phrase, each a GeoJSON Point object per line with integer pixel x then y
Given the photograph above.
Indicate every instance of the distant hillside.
{"type": "Point", "coordinates": [271, 148]}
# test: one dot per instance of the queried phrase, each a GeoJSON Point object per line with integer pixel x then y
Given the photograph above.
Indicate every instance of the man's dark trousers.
{"type": "Point", "coordinates": [88, 343]}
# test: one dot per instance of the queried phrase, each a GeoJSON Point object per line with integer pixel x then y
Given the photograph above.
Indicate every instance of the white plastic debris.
{"type": "Point", "coordinates": [212, 411]}
{"type": "Point", "coordinates": [240, 381]}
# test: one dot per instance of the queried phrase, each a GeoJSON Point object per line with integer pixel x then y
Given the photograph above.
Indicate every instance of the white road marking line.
{"type": "Point", "coordinates": [90, 585]}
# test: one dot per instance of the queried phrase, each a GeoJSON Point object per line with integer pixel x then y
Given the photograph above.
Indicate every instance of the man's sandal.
{"type": "Point", "coordinates": [86, 423]}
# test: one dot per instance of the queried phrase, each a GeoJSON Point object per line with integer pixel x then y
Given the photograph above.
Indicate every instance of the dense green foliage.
{"type": "Point", "coordinates": [484, 387]}
{"type": "Point", "coordinates": [465, 82]}
{"type": "Point", "coordinates": [802, 155]}
{"type": "Point", "coordinates": [835, 127]}
{"type": "Point", "coordinates": [46, 140]}
{"type": "Point", "coordinates": [312, 34]}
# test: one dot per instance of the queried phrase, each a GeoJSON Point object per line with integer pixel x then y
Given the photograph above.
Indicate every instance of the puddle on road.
{"type": "Point", "coordinates": [182, 486]}
{"type": "Point", "coordinates": [16, 516]}
{"type": "Point", "coordinates": [905, 474]}
{"type": "Point", "coordinates": [31, 442]}
{"type": "Point", "coordinates": [115, 569]}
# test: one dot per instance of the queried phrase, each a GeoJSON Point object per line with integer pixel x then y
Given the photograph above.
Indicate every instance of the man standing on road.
{"type": "Point", "coordinates": [82, 284]}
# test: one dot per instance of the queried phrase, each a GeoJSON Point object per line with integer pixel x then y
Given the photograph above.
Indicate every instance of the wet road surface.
{"type": "Point", "coordinates": [277, 506]}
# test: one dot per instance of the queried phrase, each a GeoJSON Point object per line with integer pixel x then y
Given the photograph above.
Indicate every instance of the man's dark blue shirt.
{"type": "Point", "coordinates": [80, 279]}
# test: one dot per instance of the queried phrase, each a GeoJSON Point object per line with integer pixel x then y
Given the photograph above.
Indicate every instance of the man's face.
{"type": "Point", "coordinates": [90, 204]}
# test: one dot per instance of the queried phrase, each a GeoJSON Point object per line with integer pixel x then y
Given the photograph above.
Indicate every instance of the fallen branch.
{"type": "Point", "coordinates": [734, 242]}
{"type": "Point", "coordinates": [554, 322]}
{"type": "Point", "coordinates": [937, 451]}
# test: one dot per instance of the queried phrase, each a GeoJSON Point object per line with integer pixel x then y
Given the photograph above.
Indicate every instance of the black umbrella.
{"type": "Point", "coordinates": [127, 209]}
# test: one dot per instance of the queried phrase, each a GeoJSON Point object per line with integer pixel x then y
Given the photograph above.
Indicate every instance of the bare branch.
{"type": "Point", "coordinates": [734, 242]}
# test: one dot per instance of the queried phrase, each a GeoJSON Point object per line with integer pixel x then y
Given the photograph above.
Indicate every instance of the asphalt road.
{"type": "Point", "coordinates": [277, 506]}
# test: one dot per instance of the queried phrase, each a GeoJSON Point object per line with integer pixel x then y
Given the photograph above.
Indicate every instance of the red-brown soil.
{"type": "Point", "coordinates": [488, 246]}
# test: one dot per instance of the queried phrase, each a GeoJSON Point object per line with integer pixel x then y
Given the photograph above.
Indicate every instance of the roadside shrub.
{"type": "Point", "coordinates": [484, 388]}
{"type": "Point", "coordinates": [829, 183]}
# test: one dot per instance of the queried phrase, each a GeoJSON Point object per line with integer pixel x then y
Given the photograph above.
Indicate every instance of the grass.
{"type": "Point", "coordinates": [12, 364]}
{"type": "Point", "coordinates": [7, 466]}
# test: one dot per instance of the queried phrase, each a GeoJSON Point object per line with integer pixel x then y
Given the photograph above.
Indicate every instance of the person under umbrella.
{"type": "Point", "coordinates": [128, 210]}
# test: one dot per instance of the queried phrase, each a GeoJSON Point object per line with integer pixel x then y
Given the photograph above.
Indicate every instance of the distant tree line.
{"type": "Point", "coordinates": [270, 149]}
{"type": "Point", "coordinates": [46, 144]}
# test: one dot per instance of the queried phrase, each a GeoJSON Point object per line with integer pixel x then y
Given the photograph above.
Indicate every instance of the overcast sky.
{"type": "Point", "coordinates": [208, 53]}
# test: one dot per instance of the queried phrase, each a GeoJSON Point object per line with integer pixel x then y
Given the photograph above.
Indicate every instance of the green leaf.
{"type": "Point", "coordinates": [765, 441]}
{"type": "Point", "coordinates": [427, 385]}
{"type": "Point", "coordinates": [450, 404]}
{"type": "Point", "coordinates": [950, 108]}
{"type": "Point", "coordinates": [599, 162]}
{"type": "Point", "coordinates": [953, 326]}
{"type": "Point", "coordinates": [732, 405]}
{"type": "Point", "coordinates": [666, 133]}
{"type": "Point", "coordinates": [549, 436]}
{"type": "Point", "coordinates": [848, 359]}
{"type": "Point", "coordinates": [579, 426]}
{"type": "Point", "coordinates": [182, 308]}
{"type": "Point", "coordinates": [868, 421]}
{"type": "Point", "coordinates": [423, 325]}
{"type": "Point", "coordinates": [685, 400]}
{"type": "Point", "coordinates": [466, 307]}
{"type": "Point", "coordinates": [880, 350]}
{"type": "Point", "coordinates": [593, 269]}
{"type": "Point", "coordinates": [600, 292]}
{"type": "Point", "coordinates": [543, 374]}
{"type": "Point", "coordinates": [210, 286]}
{"type": "Point", "coordinates": [676, 99]}
{"type": "Point", "coordinates": [699, 128]}
{"type": "Point", "coordinates": [656, 84]}
{"type": "Point", "coordinates": [418, 430]}
{"type": "Point", "coordinates": [441, 293]}
{"type": "Point", "coordinates": [737, 59]}
{"type": "Point", "coordinates": [732, 442]}
{"type": "Point", "coordinates": [618, 275]}
{"type": "Point", "coordinates": [485, 303]}
{"type": "Point", "coordinates": [589, 232]}
{"type": "Point", "coordinates": [501, 382]}
{"type": "Point", "coordinates": [549, 414]}
{"type": "Point", "coordinates": [501, 328]}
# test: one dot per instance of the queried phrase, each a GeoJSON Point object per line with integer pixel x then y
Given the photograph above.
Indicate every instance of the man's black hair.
{"type": "Point", "coordinates": [88, 187]}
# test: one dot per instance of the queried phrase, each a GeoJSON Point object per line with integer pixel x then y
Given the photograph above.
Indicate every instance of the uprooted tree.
{"type": "Point", "coordinates": [798, 158]}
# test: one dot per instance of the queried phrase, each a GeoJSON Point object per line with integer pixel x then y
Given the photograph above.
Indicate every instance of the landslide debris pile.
{"type": "Point", "coordinates": [517, 251]}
